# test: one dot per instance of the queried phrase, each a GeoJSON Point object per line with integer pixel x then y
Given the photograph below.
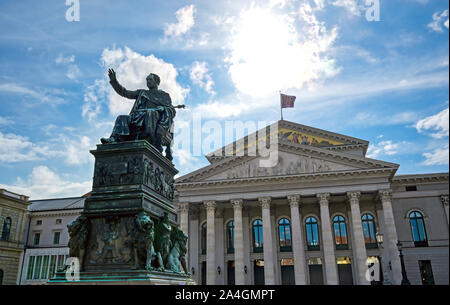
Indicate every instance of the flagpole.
{"type": "Point", "coordinates": [281, 106]}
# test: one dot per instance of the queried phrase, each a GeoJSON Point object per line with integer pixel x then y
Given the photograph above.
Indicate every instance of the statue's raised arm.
{"type": "Point", "coordinates": [119, 88]}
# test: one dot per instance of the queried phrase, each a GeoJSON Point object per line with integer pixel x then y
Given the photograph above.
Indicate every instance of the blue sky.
{"type": "Point", "coordinates": [383, 81]}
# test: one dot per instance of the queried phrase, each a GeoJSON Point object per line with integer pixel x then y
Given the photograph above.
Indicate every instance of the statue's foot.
{"type": "Point", "coordinates": [107, 140]}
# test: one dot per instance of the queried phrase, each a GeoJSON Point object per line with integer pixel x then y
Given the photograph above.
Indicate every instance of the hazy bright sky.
{"type": "Point", "coordinates": [383, 81]}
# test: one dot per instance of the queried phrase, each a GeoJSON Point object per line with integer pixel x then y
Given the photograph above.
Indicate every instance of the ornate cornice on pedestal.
{"type": "Point", "coordinates": [385, 195]}
{"type": "Point", "coordinates": [237, 203]}
{"type": "Point", "coordinates": [323, 198]}
{"type": "Point", "coordinates": [353, 197]}
{"type": "Point", "coordinates": [444, 200]}
{"type": "Point", "coordinates": [209, 205]}
{"type": "Point", "coordinates": [265, 202]}
{"type": "Point", "coordinates": [294, 200]}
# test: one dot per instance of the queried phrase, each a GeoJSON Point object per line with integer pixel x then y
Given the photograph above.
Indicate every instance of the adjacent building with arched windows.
{"type": "Point", "coordinates": [316, 217]}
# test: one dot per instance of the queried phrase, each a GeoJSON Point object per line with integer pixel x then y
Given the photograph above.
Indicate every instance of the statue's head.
{"type": "Point", "coordinates": [153, 81]}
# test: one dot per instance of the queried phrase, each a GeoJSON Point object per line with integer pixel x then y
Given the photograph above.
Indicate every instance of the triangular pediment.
{"type": "Point", "coordinates": [293, 159]}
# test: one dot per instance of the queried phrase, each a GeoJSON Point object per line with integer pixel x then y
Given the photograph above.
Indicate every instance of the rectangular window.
{"type": "Point", "coordinates": [37, 237]}
{"type": "Point", "coordinates": [60, 261]}
{"type": "Point", "coordinates": [38, 222]}
{"type": "Point", "coordinates": [426, 273]}
{"type": "Point", "coordinates": [52, 266]}
{"type": "Point", "coordinates": [44, 271]}
{"type": "Point", "coordinates": [58, 221]}
{"type": "Point", "coordinates": [56, 236]}
{"type": "Point", "coordinates": [30, 267]}
{"type": "Point", "coordinates": [37, 270]}
{"type": "Point", "coordinates": [411, 188]}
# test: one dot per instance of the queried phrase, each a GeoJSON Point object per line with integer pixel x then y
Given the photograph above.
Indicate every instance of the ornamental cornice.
{"type": "Point", "coordinates": [440, 177]}
{"type": "Point", "coordinates": [54, 214]}
{"type": "Point", "coordinates": [288, 178]}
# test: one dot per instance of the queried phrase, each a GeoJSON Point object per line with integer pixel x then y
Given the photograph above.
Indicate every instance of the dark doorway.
{"type": "Point", "coordinates": [203, 273]}
{"type": "Point", "coordinates": [345, 274]}
{"type": "Point", "coordinates": [315, 275]}
{"type": "Point", "coordinates": [258, 275]}
{"type": "Point", "coordinates": [426, 273]}
{"type": "Point", "coordinates": [230, 274]}
{"type": "Point", "coordinates": [287, 275]}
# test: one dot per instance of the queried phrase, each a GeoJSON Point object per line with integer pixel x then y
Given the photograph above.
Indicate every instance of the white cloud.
{"type": "Point", "coordinates": [5, 121]}
{"type": "Point", "coordinates": [73, 72]}
{"type": "Point", "coordinates": [350, 5]}
{"type": "Point", "coordinates": [185, 18]}
{"type": "Point", "coordinates": [200, 76]}
{"type": "Point", "coordinates": [383, 148]}
{"type": "Point", "coordinates": [372, 119]}
{"type": "Point", "coordinates": [439, 123]}
{"type": "Point", "coordinates": [268, 54]}
{"type": "Point", "coordinates": [41, 95]}
{"type": "Point", "coordinates": [77, 150]}
{"type": "Point", "coordinates": [44, 183]}
{"type": "Point", "coordinates": [439, 19]}
{"type": "Point", "coordinates": [15, 148]}
{"type": "Point", "coordinates": [94, 96]}
{"type": "Point", "coordinates": [132, 69]}
{"type": "Point", "coordinates": [439, 156]}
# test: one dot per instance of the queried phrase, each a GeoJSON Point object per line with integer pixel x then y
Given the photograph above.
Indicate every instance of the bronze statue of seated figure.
{"type": "Point", "coordinates": [150, 119]}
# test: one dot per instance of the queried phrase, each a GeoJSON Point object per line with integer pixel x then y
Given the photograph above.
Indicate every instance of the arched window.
{"type": "Point", "coordinates": [203, 238]}
{"type": "Point", "coordinates": [340, 233]}
{"type": "Point", "coordinates": [230, 236]}
{"type": "Point", "coordinates": [284, 228]}
{"type": "Point", "coordinates": [312, 234]}
{"type": "Point", "coordinates": [6, 229]}
{"type": "Point", "coordinates": [368, 224]}
{"type": "Point", "coordinates": [418, 229]}
{"type": "Point", "coordinates": [258, 236]}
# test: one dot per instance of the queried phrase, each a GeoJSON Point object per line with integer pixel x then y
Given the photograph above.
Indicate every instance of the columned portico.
{"type": "Point", "coordinates": [238, 242]}
{"type": "Point", "coordinates": [210, 242]}
{"type": "Point", "coordinates": [390, 233]}
{"type": "Point", "coordinates": [269, 263]}
{"type": "Point", "coordinates": [359, 247]}
{"type": "Point", "coordinates": [327, 237]}
{"type": "Point", "coordinates": [297, 241]}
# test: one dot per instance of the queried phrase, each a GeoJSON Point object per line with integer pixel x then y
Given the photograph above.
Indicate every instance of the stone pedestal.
{"type": "Point", "coordinates": [131, 201]}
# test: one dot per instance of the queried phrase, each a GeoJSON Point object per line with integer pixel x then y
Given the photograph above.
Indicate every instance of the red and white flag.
{"type": "Point", "coordinates": [287, 101]}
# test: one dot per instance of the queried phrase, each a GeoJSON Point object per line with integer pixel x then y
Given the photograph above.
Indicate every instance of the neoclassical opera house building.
{"type": "Point", "coordinates": [325, 214]}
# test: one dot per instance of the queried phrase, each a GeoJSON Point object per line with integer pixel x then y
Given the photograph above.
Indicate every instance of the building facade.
{"type": "Point", "coordinates": [316, 217]}
{"type": "Point", "coordinates": [47, 238]}
{"type": "Point", "coordinates": [13, 220]}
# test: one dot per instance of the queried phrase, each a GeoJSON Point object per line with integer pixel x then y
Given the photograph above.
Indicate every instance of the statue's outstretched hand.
{"type": "Point", "coordinates": [112, 74]}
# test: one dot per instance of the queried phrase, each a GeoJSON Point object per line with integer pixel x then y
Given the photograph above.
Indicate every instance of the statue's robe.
{"type": "Point", "coordinates": [150, 118]}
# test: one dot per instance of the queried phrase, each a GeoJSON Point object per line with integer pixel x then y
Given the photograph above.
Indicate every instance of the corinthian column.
{"type": "Point", "coordinates": [210, 243]}
{"type": "Point", "coordinates": [297, 241]}
{"type": "Point", "coordinates": [269, 266]}
{"type": "Point", "coordinates": [390, 234]}
{"type": "Point", "coordinates": [183, 209]}
{"type": "Point", "coordinates": [327, 238]}
{"type": "Point", "coordinates": [238, 243]}
{"type": "Point", "coordinates": [444, 200]}
{"type": "Point", "coordinates": [359, 245]}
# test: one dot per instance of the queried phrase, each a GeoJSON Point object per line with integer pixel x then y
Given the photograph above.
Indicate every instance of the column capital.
{"type": "Point", "coordinates": [385, 195]}
{"type": "Point", "coordinates": [444, 199]}
{"type": "Point", "coordinates": [294, 200]}
{"type": "Point", "coordinates": [237, 203]}
{"type": "Point", "coordinates": [183, 207]}
{"type": "Point", "coordinates": [323, 198]}
{"type": "Point", "coordinates": [353, 197]}
{"type": "Point", "coordinates": [265, 202]}
{"type": "Point", "coordinates": [209, 204]}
